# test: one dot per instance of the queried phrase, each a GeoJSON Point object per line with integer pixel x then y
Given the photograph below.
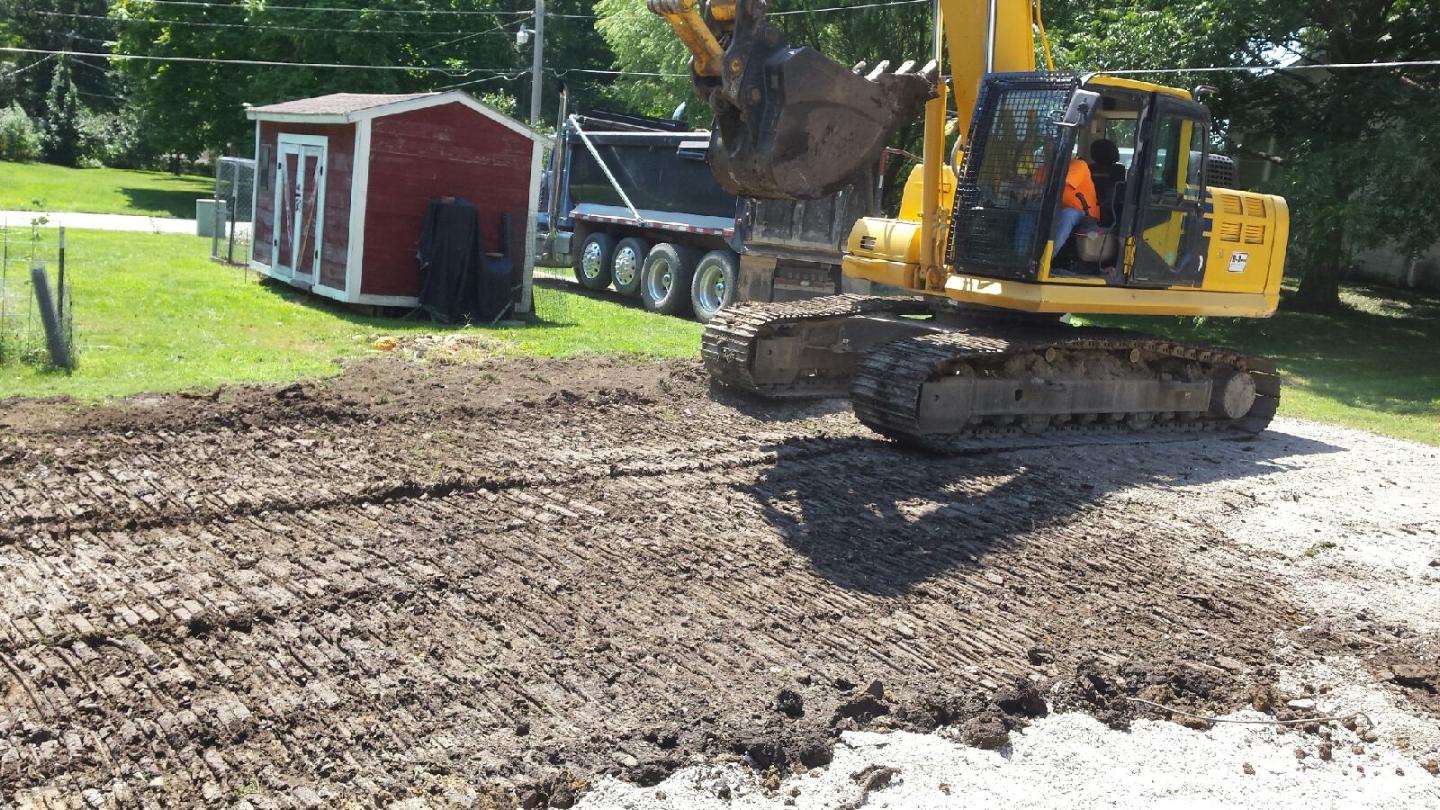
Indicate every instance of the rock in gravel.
{"type": "Point", "coordinates": [1248, 769]}
{"type": "Point", "coordinates": [1038, 655]}
{"type": "Point", "coordinates": [1417, 676]}
{"type": "Point", "coordinates": [1231, 664]}
{"type": "Point", "coordinates": [1325, 750]}
{"type": "Point", "coordinates": [985, 731]}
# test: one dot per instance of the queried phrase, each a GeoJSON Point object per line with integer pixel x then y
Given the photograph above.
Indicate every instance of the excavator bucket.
{"type": "Point", "coordinates": [789, 122]}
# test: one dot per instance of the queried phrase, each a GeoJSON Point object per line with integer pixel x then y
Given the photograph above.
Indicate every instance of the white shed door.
{"type": "Point", "coordinates": [299, 206]}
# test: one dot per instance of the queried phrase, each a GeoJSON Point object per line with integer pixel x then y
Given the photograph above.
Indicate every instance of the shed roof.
{"type": "Point", "coordinates": [346, 108]}
{"type": "Point", "coordinates": [337, 103]}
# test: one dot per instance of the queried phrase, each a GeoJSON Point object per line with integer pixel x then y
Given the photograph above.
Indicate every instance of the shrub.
{"type": "Point", "coordinates": [62, 118]}
{"type": "Point", "coordinates": [19, 136]}
{"type": "Point", "coordinates": [114, 140]}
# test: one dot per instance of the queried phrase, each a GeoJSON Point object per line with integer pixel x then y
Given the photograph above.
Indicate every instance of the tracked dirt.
{"type": "Point", "coordinates": [515, 577]}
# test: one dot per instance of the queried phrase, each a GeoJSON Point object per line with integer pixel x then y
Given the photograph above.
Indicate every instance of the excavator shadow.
{"type": "Point", "coordinates": [880, 519]}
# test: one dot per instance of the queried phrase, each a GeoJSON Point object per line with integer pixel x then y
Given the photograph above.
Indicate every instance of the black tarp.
{"type": "Point", "coordinates": [458, 281]}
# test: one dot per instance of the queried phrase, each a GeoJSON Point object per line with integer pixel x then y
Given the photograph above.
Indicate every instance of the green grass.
{"type": "Point", "coordinates": [1373, 366]}
{"type": "Point", "coordinates": [43, 187]}
{"type": "Point", "coordinates": [152, 313]}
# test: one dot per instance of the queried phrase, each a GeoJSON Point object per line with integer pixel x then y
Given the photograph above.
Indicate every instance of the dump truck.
{"type": "Point", "coordinates": [630, 203]}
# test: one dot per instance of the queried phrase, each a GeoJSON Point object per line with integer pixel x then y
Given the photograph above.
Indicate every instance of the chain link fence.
{"type": "Point", "coordinates": [233, 210]}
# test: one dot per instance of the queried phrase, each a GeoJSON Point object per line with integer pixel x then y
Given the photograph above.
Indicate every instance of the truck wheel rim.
{"type": "Point", "coordinates": [661, 280]}
{"type": "Point", "coordinates": [625, 262]}
{"type": "Point", "coordinates": [712, 288]}
{"type": "Point", "coordinates": [590, 261]}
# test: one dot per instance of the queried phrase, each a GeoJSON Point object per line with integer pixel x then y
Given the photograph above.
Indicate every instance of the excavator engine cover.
{"type": "Point", "coordinates": [792, 124]}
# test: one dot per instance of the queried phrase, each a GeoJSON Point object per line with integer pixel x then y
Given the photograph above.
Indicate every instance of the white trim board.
{"type": "Point", "coordinates": [359, 197]}
{"type": "Point", "coordinates": [387, 300]}
{"type": "Point", "coordinates": [527, 280]}
{"type": "Point", "coordinates": [255, 195]}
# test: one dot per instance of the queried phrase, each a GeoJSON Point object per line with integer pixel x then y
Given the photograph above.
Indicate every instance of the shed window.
{"type": "Point", "coordinates": [266, 167]}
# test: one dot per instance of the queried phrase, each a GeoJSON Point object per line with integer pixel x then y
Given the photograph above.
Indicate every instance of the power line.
{"type": "Point", "coordinates": [261, 62]}
{"type": "Point", "coordinates": [468, 37]}
{"type": "Point", "coordinates": [1274, 68]}
{"type": "Point", "coordinates": [827, 10]}
{"type": "Point", "coordinates": [31, 66]}
{"type": "Point", "coordinates": [846, 8]}
{"type": "Point", "coordinates": [561, 72]}
{"type": "Point", "coordinates": [333, 9]}
{"type": "Point", "coordinates": [248, 26]}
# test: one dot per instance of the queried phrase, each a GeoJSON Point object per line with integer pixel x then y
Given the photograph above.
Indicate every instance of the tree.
{"type": "Point", "coordinates": [61, 128]}
{"type": "Point", "coordinates": [1358, 147]}
{"type": "Point", "coordinates": [56, 25]}
{"type": "Point", "coordinates": [197, 106]}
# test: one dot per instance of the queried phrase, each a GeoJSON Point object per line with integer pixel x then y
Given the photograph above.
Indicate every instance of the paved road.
{"type": "Point", "coordinates": [106, 222]}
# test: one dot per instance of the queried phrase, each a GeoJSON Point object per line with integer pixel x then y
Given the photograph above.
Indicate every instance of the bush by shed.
{"type": "Point", "coordinates": [343, 183]}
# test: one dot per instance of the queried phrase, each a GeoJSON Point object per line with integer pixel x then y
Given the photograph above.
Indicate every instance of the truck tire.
{"type": "Point", "coordinates": [665, 280]}
{"type": "Point", "coordinates": [592, 261]}
{"type": "Point", "coordinates": [628, 261]}
{"type": "Point", "coordinates": [714, 284]}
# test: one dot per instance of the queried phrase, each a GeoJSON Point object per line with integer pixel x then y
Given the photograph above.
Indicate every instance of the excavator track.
{"type": "Point", "coordinates": [733, 352]}
{"type": "Point", "coordinates": [1070, 384]}
{"type": "Point", "coordinates": [891, 382]}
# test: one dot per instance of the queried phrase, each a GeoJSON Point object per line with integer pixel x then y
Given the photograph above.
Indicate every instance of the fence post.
{"type": "Point", "coordinates": [54, 337]}
{"type": "Point", "coordinates": [60, 282]}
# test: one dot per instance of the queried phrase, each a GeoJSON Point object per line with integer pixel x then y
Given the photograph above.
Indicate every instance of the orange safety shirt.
{"type": "Point", "coordinates": [1078, 184]}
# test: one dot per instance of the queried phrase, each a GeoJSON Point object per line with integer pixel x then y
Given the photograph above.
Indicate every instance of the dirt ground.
{"type": "Point", "coordinates": [499, 583]}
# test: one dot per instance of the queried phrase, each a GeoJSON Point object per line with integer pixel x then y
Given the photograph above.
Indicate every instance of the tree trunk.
{"type": "Point", "coordinates": [1320, 286]}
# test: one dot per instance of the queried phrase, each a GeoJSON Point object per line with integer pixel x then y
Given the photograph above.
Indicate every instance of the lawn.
{"type": "Point", "coordinates": [43, 187]}
{"type": "Point", "coordinates": [1374, 366]}
{"type": "Point", "coordinates": [153, 313]}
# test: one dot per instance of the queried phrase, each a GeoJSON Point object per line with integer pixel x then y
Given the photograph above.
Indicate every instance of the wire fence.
{"type": "Point", "coordinates": [232, 215]}
{"type": "Point", "coordinates": [37, 314]}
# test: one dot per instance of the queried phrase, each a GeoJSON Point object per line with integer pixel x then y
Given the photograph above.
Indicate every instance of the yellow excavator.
{"type": "Point", "coordinates": [996, 240]}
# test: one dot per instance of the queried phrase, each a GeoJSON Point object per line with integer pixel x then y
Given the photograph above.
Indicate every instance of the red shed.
{"type": "Point", "coordinates": [343, 182]}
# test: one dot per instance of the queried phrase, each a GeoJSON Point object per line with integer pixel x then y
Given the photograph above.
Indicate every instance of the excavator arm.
{"type": "Point", "coordinates": [793, 124]}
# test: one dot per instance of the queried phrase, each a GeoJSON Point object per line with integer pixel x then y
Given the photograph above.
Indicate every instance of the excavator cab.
{"type": "Point", "coordinates": [789, 122]}
{"type": "Point", "coordinates": [1026, 131]}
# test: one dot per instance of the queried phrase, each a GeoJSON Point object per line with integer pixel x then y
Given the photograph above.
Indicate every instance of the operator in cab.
{"type": "Point", "coordinates": [1076, 204]}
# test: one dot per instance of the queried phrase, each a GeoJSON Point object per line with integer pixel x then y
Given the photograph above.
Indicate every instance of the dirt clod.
{"type": "Point", "coordinates": [1021, 699]}
{"type": "Point", "coordinates": [790, 704]}
{"type": "Point", "coordinates": [987, 731]}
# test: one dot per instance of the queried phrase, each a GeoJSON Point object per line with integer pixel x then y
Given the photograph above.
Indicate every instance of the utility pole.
{"type": "Point", "coordinates": [537, 67]}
